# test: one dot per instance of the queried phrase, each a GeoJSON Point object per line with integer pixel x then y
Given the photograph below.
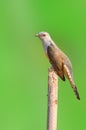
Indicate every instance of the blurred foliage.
{"type": "Point", "coordinates": [24, 67]}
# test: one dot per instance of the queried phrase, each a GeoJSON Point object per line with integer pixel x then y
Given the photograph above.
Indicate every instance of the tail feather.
{"type": "Point", "coordinates": [76, 92]}
{"type": "Point", "coordinates": [69, 76]}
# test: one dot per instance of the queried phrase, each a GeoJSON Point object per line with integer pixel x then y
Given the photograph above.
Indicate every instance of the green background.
{"type": "Point", "coordinates": [24, 67]}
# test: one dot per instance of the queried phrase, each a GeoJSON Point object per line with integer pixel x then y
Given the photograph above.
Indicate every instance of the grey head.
{"type": "Point", "coordinates": [44, 36]}
{"type": "Point", "coordinates": [46, 40]}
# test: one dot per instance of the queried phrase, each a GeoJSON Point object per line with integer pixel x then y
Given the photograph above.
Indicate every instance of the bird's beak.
{"type": "Point", "coordinates": [37, 35]}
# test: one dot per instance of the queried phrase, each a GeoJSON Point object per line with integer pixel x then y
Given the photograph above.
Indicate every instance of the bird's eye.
{"type": "Point", "coordinates": [43, 35]}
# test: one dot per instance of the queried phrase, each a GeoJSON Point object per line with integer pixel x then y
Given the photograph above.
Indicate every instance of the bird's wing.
{"type": "Point", "coordinates": [55, 60]}
{"type": "Point", "coordinates": [68, 64]}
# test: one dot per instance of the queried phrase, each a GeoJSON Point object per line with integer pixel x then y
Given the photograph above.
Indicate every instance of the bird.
{"type": "Point", "coordinates": [58, 59]}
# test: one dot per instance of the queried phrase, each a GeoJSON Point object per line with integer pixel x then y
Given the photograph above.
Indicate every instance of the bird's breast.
{"type": "Point", "coordinates": [45, 46]}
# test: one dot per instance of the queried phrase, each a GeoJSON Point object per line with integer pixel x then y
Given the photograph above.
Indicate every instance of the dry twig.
{"type": "Point", "coordinates": [52, 100]}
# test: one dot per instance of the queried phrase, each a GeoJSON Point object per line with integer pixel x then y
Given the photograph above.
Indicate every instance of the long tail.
{"type": "Point", "coordinates": [72, 82]}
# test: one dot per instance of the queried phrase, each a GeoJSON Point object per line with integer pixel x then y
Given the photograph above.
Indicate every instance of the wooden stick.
{"type": "Point", "coordinates": [52, 100]}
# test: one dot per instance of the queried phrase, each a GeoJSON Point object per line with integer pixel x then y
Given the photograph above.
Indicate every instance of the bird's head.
{"type": "Point", "coordinates": [44, 36]}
